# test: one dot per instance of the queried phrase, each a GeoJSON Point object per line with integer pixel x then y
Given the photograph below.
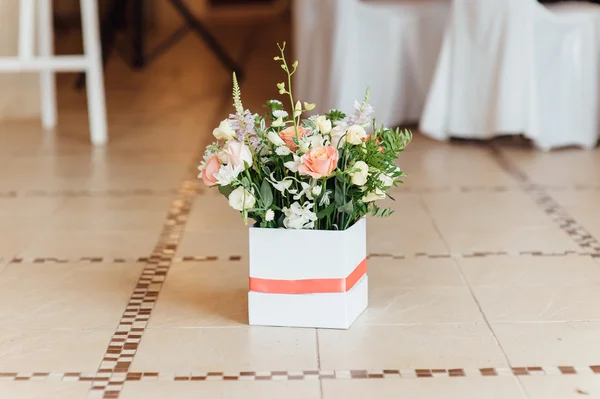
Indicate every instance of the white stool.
{"type": "Point", "coordinates": [48, 64]}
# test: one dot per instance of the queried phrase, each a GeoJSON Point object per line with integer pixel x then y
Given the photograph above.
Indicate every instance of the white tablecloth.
{"type": "Point", "coordinates": [345, 46]}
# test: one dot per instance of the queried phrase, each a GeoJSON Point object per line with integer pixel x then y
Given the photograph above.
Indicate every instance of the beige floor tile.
{"type": "Point", "coordinates": [430, 388]}
{"type": "Point", "coordinates": [558, 167]}
{"type": "Point", "coordinates": [542, 303]}
{"type": "Point", "coordinates": [402, 239]}
{"type": "Point", "coordinates": [29, 206]}
{"type": "Point", "coordinates": [212, 212]}
{"type": "Point", "coordinates": [223, 390]}
{"type": "Point", "coordinates": [413, 272]}
{"type": "Point", "coordinates": [554, 344]}
{"type": "Point", "coordinates": [209, 294]}
{"type": "Point", "coordinates": [531, 271]}
{"type": "Point", "coordinates": [107, 244]}
{"type": "Point", "coordinates": [512, 240]}
{"type": "Point", "coordinates": [452, 165]}
{"type": "Point", "coordinates": [43, 389]}
{"type": "Point", "coordinates": [404, 347]}
{"type": "Point", "coordinates": [105, 204]}
{"type": "Point", "coordinates": [45, 296]}
{"type": "Point", "coordinates": [227, 349]}
{"type": "Point", "coordinates": [420, 306]}
{"type": "Point", "coordinates": [576, 199]}
{"type": "Point", "coordinates": [67, 220]}
{"type": "Point", "coordinates": [562, 387]}
{"type": "Point", "coordinates": [485, 210]}
{"type": "Point", "coordinates": [52, 350]}
{"type": "Point", "coordinates": [15, 240]}
{"type": "Point", "coordinates": [221, 243]}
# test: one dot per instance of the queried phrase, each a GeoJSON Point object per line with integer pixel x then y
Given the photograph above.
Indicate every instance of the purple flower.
{"type": "Point", "coordinates": [243, 124]}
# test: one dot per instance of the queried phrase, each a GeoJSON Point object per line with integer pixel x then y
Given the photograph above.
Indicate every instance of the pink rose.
{"type": "Point", "coordinates": [208, 173]}
{"type": "Point", "coordinates": [319, 162]}
{"type": "Point", "coordinates": [288, 134]}
{"type": "Point", "coordinates": [237, 153]}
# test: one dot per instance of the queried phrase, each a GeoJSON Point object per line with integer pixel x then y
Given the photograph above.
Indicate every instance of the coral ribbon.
{"type": "Point", "coordinates": [314, 286]}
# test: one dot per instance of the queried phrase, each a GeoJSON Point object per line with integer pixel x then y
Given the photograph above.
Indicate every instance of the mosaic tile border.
{"type": "Point", "coordinates": [239, 258]}
{"type": "Point", "coordinates": [103, 379]}
{"type": "Point", "coordinates": [548, 204]}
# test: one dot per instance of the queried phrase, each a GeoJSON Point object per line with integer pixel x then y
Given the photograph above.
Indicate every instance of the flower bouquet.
{"type": "Point", "coordinates": [308, 181]}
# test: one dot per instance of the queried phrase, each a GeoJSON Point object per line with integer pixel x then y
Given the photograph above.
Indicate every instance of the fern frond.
{"type": "Point", "coordinates": [237, 101]}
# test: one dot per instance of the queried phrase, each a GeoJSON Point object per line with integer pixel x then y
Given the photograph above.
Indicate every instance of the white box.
{"type": "Point", "coordinates": [308, 278]}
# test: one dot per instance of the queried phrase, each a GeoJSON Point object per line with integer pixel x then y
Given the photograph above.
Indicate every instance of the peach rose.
{"type": "Point", "coordinates": [288, 134]}
{"type": "Point", "coordinates": [319, 162]}
{"type": "Point", "coordinates": [208, 173]}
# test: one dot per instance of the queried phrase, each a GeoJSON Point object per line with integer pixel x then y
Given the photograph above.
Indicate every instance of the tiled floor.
{"type": "Point", "coordinates": [122, 277]}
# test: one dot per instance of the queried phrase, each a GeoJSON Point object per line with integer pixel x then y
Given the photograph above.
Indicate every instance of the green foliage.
{"type": "Point", "coordinates": [335, 115]}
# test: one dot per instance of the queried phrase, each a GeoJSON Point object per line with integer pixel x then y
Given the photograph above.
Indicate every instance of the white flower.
{"type": "Point", "coordinates": [227, 174]}
{"type": "Point", "coordinates": [282, 185]}
{"type": "Point", "coordinates": [356, 134]}
{"type": "Point", "coordinates": [373, 196]}
{"type": "Point", "coordinates": [337, 133]}
{"type": "Point", "coordinates": [241, 199]}
{"type": "Point", "coordinates": [279, 113]}
{"type": "Point", "coordinates": [316, 190]}
{"type": "Point", "coordinates": [269, 215]}
{"type": "Point", "coordinates": [293, 165]}
{"type": "Point", "coordinates": [323, 124]}
{"type": "Point", "coordinates": [359, 178]}
{"type": "Point", "coordinates": [299, 217]}
{"type": "Point", "coordinates": [278, 122]}
{"type": "Point", "coordinates": [316, 141]}
{"type": "Point", "coordinates": [325, 199]}
{"type": "Point", "coordinates": [306, 190]}
{"type": "Point", "coordinates": [283, 151]}
{"type": "Point", "coordinates": [224, 131]}
{"type": "Point", "coordinates": [275, 139]}
{"type": "Point", "coordinates": [386, 180]}
{"type": "Point", "coordinates": [237, 154]}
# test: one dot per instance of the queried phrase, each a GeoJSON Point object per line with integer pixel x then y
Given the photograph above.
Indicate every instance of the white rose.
{"type": "Point", "coordinates": [337, 133]}
{"type": "Point", "coordinates": [275, 139]}
{"type": "Point", "coordinates": [241, 199]}
{"type": "Point", "coordinates": [224, 131]}
{"type": "Point", "coordinates": [323, 124]}
{"type": "Point", "coordinates": [359, 178]}
{"type": "Point", "coordinates": [356, 134]}
{"type": "Point", "coordinates": [374, 196]}
{"type": "Point", "coordinates": [237, 154]}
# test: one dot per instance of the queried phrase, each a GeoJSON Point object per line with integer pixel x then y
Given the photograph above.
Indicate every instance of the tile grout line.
{"type": "Point", "coordinates": [549, 205]}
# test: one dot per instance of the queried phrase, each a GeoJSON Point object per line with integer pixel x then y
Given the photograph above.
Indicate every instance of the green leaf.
{"type": "Point", "coordinates": [348, 208]}
{"type": "Point", "coordinates": [266, 194]}
{"type": "Point", "coordinates": [326, 211]}
{"type": "Point", "coordinates": [338, 195]}
{"type": "Point", "coordinates": [225, 190]}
